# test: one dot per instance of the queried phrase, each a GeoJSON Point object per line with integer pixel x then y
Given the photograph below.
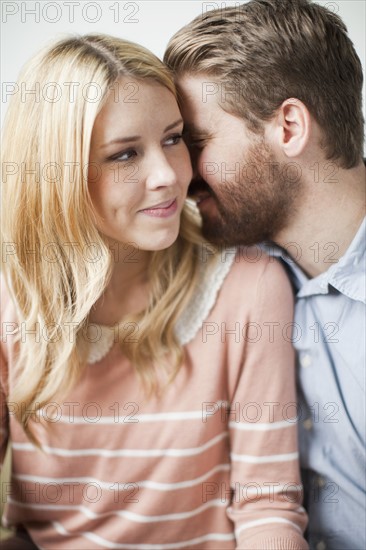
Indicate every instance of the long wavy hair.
{"type": "Point", "coordinates": [47, 135]}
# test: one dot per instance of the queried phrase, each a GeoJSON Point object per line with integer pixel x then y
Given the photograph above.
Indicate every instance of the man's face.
{"type": "Point", "coordinates": [239, 185]}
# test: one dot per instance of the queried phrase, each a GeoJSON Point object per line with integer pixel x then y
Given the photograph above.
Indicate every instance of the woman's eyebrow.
{"type": "Point", "coordinates": [121, 140]}
{"type": "Point", "coordinates": [174, 124]}
{"type": "Point", "coordinates": [129, 139]}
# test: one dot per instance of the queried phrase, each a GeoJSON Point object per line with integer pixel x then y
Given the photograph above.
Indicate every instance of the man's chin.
{"type": "Point", "coordinates": [227, 234]}
{"type": "Point", "coordinates": [218, 227]}
{"type": "Point", "coordinates": [216, 234]}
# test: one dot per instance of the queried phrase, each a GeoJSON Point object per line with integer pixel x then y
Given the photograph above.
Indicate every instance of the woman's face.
{"type": "Point", "coordinates": [139, 168]}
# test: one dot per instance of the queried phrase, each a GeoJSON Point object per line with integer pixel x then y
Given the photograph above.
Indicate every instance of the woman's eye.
{"type": "Point", "coordinates": [124, 156]}
{"type": "Point", "coordinates": [173, 140]}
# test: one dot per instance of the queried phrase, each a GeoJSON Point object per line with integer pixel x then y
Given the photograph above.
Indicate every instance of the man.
{"type": "Point", "coordinates": [271, 95]}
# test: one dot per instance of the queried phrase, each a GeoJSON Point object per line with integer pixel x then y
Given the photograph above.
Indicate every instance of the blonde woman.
{"type": "Point", "coordinates": [147, 399]}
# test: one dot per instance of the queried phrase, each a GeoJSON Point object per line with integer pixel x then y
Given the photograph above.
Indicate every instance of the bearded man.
{"type": "Point", "coordinates": [271, 94]}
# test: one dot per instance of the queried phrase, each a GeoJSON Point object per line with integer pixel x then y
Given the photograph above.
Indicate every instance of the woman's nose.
{"type": "Point", "coordinates": [160, 172]}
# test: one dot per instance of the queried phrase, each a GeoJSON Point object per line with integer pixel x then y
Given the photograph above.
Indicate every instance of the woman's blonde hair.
{"type": "Point", "coordinates": [48, 217]}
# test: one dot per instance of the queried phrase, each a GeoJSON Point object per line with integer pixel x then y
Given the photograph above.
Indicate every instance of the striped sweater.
{"type": "Point", "coordinates": [211, 463]}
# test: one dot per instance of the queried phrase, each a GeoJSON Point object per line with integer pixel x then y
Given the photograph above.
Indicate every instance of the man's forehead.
{"type": "Point", "coordinates": [200, 109]}
{"type": "Point", "coordinates": [200, 89]}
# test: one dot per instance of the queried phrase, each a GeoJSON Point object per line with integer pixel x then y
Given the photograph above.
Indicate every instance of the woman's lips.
{"type": "Point", "coordinates": [161, 210]}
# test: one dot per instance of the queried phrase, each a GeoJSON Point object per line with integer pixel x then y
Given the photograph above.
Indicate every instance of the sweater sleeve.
{"type": "Point", "coordinates": [265, 478]}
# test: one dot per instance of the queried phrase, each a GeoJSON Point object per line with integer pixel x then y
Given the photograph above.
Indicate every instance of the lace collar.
{"type": "Point", "coordinates": [197, 310]}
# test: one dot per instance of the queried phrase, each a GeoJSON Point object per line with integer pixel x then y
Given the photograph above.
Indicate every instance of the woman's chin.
{"type": "Point", "coordinates": [162, 241]}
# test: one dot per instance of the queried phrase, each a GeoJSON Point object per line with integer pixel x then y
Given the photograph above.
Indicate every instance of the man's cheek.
{"type": "Point", "coordinates": [210, 169]}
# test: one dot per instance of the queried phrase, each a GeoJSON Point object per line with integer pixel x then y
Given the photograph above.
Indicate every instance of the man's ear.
{"type": "Point", "coordinates": [292, 127]}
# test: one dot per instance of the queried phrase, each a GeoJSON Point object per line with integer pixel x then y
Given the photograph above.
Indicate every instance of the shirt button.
{"type": "Point", "coordinates": [305, 361]}
{"type": "Point", "coordinates": [308, 424]}
{"type": "Point", "coordinates": [321, 545]}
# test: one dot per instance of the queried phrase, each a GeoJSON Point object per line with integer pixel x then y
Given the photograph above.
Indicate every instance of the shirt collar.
{"type": "Point", "coordinates": [347, 275]}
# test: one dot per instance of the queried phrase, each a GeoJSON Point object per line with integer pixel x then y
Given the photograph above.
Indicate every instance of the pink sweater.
{"type": "Point", "coordinates": [179, 471]}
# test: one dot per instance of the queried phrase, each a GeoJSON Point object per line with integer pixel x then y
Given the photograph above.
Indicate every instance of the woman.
{"type": "Point", "coordinates": [147, 407]}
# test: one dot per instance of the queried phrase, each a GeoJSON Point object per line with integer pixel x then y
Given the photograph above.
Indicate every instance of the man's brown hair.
{"type": "Point", "coordinates": [266, 51]}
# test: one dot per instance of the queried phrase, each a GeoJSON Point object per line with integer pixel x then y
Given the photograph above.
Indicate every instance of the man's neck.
{"type": "Point", "coordinates": [325, 221]}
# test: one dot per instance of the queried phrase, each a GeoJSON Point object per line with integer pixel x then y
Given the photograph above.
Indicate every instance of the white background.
{"type": "Point", "coordinates": [149, 22]}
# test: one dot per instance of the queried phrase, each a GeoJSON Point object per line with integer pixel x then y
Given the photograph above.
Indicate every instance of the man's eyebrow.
{"type": "Point", "coordinates": [196, 132]}
{"type": "Point", "coordinates": [130, 139]}
{"type": "Point", "coordinates": [192, 128]}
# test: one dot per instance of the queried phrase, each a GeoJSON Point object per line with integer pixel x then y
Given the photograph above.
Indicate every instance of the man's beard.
{"type": "Point", "coordinates": [255, 207]}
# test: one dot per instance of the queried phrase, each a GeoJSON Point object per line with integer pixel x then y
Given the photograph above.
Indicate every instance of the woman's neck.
{"type": "Point", "coordinates": [128, 288]}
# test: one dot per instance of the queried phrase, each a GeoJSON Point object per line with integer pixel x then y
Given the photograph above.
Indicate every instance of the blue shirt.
{"type": "Point", "coordinates": [329, 335]}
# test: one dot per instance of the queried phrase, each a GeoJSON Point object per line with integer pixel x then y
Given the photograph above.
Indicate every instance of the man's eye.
{"type": "Point", "coordinates": [192, 141]}
{"type": "Point", "coordinates": [197, 143]}
{"type": "Point", "coordinates": [173, 140]}
{"type": "Point", "coordinates": [124, 156]}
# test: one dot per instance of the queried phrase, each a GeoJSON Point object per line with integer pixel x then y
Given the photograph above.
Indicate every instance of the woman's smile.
{"type": "Point", "coordinates": [162, 210]}
{"type": "Point", "coordinates": [145, 168]}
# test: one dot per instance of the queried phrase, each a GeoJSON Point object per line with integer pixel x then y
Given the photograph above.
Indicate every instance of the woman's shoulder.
{"type": "Point", "coordinates": [255, 270]}
{"type": "Point", "coordinates": [235, 279]}
{"type": "Point", "coordinates": [248, 270]}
